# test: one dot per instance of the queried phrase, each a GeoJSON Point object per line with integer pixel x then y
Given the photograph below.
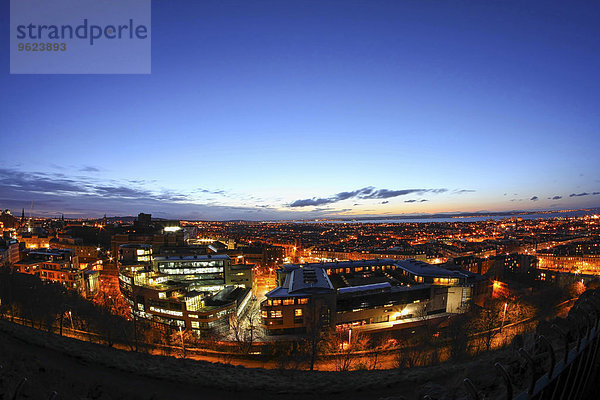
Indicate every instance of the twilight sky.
{"type": "Point", "coordinates": [301, 109]}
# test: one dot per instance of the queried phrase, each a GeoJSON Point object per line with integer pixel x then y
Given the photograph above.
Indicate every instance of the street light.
{"type": "Point", "coordinates": [71, 318]}
{"type": "Point", "coordinates": [182, 345]}
{"type": "Point", "coordinates": [503, 316]}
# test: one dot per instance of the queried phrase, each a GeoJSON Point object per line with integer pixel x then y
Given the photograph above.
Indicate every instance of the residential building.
{"type": "Point", "coordinates": [59, 266]}
{"type": "Point", "coordinates": [367, 294]}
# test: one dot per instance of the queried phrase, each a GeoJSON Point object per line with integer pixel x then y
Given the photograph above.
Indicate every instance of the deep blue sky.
{"type": "Point", "coordinates": [282, 109]}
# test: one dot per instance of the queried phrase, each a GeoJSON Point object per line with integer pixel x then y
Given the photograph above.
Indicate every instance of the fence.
{"type": "Point", "coordinates": [571, 373]}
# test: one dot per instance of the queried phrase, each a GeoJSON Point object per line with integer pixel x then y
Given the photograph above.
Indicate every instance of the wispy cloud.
{"type": "Point", "coordinates": [217, 192]}
{"type": "Point", "coordinates": [19, 185]}
{"type": "Point", "coordinates": [89, 168]}
{"type": "Point", "coordinates": [579, 194]}
{"type": "Point", "coordinates": [555, 198]}
{"type": "Point", "coordinates": [365, 193]}
{"type": "Point", "coordinates": [460, 191]}
{"type": "Point", "coordinates": [54, 193]}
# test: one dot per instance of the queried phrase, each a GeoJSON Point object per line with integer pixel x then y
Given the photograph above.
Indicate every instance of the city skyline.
{"type": "Point", "coordinates": [269, 111]}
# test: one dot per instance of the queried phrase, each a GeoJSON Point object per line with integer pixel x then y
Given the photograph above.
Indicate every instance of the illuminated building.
{"type": "Point", "coordinates": [61, 266]}
{"type": "Point", "coordinates": [157, 233]}
{"type": "Point", "coordinates": [573, 257]}
{"type": "Point", "coordinates": [7, 220]}
{"type": "Point", "coordinates": [332, 254]}
{"type": "Point", "coordinates": [474, 264]}
{"type": "Point", "coordinates": [87, 253]}
{"type": "Point", "coordinates": [196, 292]}
{"type": "Point", "coordinates": [9, 251]}
{"type": "Point", "coordinates": [34, 241]}
{"type": "Point", "coordinates": [157, 241]}
{"type": "Point", "coordinates": [589, 263]}
{"type": "Point", "coordinates": [370, 294]}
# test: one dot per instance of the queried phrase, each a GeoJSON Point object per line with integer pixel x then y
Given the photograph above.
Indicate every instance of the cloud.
{"type": "Point", "coordinates": [310, 202]}
{"type": "Point", "coordinates": [364, 193]}
{"type": "Point", "coordinates": [555, 198]}
{"type": "Point", "coordinates": [534, 198]}
{"type": "Point", "coordinates": [13, 180]}
{"type": "Point", "coordinates": [39, 186]}
{"type": "Point", "coordinates": [584, 194]}
{"type": "Point", "coordinates": [385, 202]}
{"type": "Point", "coordinates": [121, 191]}
{"type": "Point", "coordinates": [79, 196]}
{"type": "Point", "coordinates": [89, 168]}
{"type": "Point", "coordinates": [467, 191]}
{"type": "Point", "coordinates": [219, 192]}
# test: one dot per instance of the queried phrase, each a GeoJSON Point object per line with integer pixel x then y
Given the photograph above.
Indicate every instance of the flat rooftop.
{"type": "Point", "coordinates": [355, 278]}
{"type": "Point", "coordinates": [192, 258]}
{"type": "Point", "coordinates": [421, 268]}
{"type": "Point", "coordinates": [342, 264]}
{"type": "Point", "coordinates": [303, 281]}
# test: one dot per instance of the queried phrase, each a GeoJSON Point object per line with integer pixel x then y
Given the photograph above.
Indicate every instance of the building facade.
{"type": "Point", "coordinates": [59, 266]}
{"type": "Point", "coordinates": [366, 294]}
{"type": "Point", "coordinates": [196, 292]}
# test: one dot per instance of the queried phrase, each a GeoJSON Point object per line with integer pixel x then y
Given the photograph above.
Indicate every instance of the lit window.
{"type": "Point", "coordinates": [276, 302]}
{"type": "Point", "coordinates": [298, 312]}
{"type": "Point", "coordinates": [287, 302]}
{"type": "Point", "coordinates": [264, 314]}
{"type": "Point", "coordinates": [276, 314]}
{"type": "Point", "coordinates": [303, 300]}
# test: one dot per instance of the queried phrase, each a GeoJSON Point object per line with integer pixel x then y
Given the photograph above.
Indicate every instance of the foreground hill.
{"type": "Point", "coordinates": [82, 370]}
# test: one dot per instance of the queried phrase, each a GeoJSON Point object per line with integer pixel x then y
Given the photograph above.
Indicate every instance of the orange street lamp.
{"type": "Point", "coordinates": [503, 316]}
{"type": "Point", "coordinates": [182, 344]}
{"type": "Point", "coordinates": [71, 318]}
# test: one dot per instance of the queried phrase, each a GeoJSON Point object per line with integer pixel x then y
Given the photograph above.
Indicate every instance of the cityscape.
{"type": "Point", "coordinates": [303, 295]}
{"type": "Point", "coordinates": [389, 200]}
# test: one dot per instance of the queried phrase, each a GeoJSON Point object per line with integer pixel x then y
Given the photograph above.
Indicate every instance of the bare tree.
{"type": "Point", "coordinates": [292, 355]}
{"type": "Point", "coordinates": [352, 349]}
{"type": "Point", "coordinates": [315, 332]}
{"type": "Point", "coordinates": [341, 350]}
{"type": "Point", "coordinates": [374, 348]}
{"type": "Point", "coordinates": [457, 334]}
{"type": "Point", "coordinates": [244, 329]}
{"type": "Point", "coordinates": [488, 318]}
{"type": "Point", "coordinates": [182, 339]}
{"type": "Point", "coordinates": [412, 352]}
